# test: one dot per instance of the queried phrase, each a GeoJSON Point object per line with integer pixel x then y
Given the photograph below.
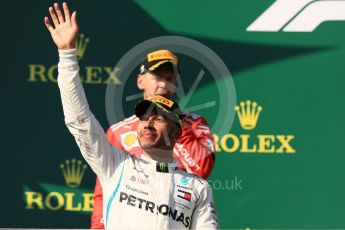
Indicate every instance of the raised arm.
{"type": "Point", "coordinates": [65, 30]}
{"type": "Point", "coordinates": [86, 130]}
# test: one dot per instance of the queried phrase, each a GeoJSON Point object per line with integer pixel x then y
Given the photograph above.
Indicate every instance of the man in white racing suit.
{"type": "Point", "coordinates": [149, 192]}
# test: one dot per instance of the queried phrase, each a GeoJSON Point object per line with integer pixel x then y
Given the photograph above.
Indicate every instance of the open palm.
{"type": "Point", "coordinates": [66, 28]}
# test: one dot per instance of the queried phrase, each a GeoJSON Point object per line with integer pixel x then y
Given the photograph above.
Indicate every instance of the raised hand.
{"type": "Point", "coordinates": [66, 28]}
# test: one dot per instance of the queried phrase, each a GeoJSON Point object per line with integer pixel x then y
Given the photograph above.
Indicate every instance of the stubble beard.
{"type": "Point", "coordinates": [156, 149]}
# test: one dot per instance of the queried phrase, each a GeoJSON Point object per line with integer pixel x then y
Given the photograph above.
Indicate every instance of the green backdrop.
{"type": "Point", "coordinates": [279, 167]}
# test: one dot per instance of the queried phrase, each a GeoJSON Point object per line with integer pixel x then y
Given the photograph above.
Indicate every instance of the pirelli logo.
{"type": "Point", "coordinates": [161, 100]}
{"type": "Point", "coordinates": [161, 54]}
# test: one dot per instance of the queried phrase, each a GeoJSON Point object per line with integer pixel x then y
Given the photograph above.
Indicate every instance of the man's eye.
{"type": "Point", "coordinates": [154, 77]}
{"type": "Point", "coordinates": [160, 119]}
{"type": "Point", "coordinates": [144, 118]}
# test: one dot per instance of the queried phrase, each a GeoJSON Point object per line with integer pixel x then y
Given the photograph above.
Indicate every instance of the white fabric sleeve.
{"type": "Point", "coordinates": [88, 133]}
{"type": "Point", "coordinates": [205, 216]}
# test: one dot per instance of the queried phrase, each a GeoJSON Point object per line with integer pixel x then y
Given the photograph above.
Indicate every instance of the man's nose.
{"type": "Point", "coordinates": [149, 123]}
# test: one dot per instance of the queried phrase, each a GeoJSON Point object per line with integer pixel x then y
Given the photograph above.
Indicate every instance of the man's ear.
{"type": "Point", "coordinates": [140, 81]}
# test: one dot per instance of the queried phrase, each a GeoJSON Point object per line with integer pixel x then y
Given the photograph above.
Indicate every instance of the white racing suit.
{"type": "Point", "coordinates": [138, 193]}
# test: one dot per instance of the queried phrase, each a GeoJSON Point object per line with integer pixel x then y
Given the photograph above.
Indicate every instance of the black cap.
{"type": "Point", "coordinates": [157, 58]}
{"type": "Point", "coordinates": [164, 106]}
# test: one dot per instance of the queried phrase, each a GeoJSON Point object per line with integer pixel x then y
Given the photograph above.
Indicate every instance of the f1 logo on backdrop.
{"type": "Point", "coordinates": [298, 15]}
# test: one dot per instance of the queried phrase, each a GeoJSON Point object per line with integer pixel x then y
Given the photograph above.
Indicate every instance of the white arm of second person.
{"type": "Point", "coordinates": [80, 121]}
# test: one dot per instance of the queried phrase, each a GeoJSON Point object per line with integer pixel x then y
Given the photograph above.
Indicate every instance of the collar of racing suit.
{"type": "Point", "coordinates": [158, 166]}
